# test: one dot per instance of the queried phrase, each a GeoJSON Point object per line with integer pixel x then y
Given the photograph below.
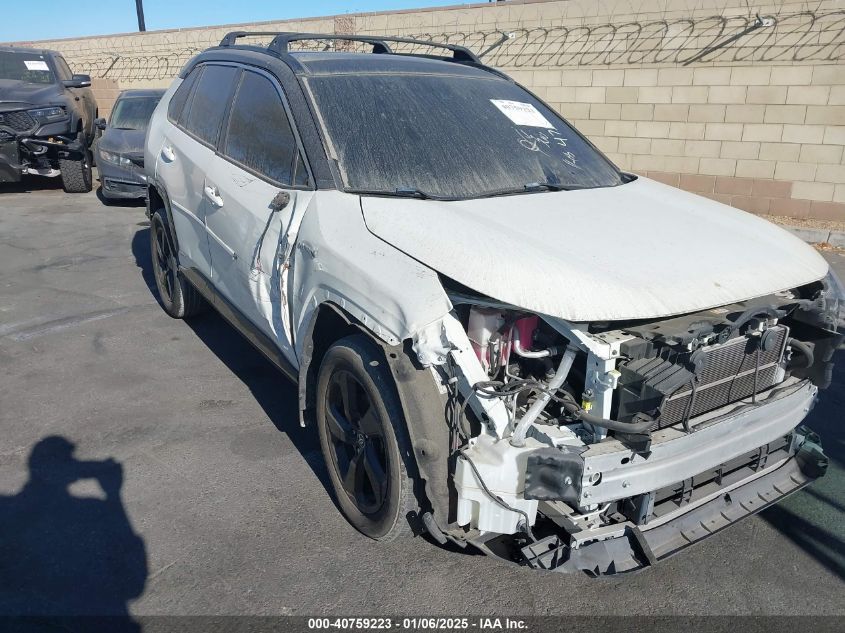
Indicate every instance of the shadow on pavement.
{"type": "Point", "coordinates": [67, 555]}
{"type": "Point", "coordinates": [813, 519]}
{"type": "Point", "coordinates": [276, 395]}
{"type": "Point", "coordinates": [143, 257]}
{"type": "Point", "coordinates": [30, 184]}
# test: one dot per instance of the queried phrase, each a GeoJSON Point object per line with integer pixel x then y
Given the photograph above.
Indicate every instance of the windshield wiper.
{"type": "Point", "coordinates": [399, 192]}
{"type": "Point", "coordinates": [553, 186]}
{"type": "Point", "coordinates": [411, 192]}
{"type": "Point", "coordinates": [533, 187]}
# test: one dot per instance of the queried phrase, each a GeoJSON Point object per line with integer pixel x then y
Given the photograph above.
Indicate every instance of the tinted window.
{"type": "Point", "coordinates": [209, 101]}
{"type": "Point", "coordinates": [260, 135]}
{"type": "Point", "coordinates": [133, 113]}
{"type": "Point", "coordinates": [28, 67]}
{"type": "Point", "coordinates": [180, 97]}
{"type": "Point", "coordinates": [63, 69]}
{"type": "Point", "coordinates": [451, 136]}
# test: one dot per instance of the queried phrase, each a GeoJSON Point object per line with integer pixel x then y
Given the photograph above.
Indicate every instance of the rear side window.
{"type": "Point", "coordinates": [260, 136]}
{"type": "Point", "coordinates": [209, 101]}
{"type": "Point", "coordinates": [180, 97]}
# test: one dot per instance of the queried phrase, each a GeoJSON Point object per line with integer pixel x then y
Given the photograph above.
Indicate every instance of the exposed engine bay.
{"type": "Point", "coordinates": [568, 434]}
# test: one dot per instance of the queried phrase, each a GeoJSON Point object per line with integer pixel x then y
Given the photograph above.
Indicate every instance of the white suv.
{"type": "Point", "coordinates": [501, 339]}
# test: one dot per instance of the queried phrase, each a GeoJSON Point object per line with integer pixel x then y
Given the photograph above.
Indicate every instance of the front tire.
{"type": "Point", "coordinates": [176, 295]}
{"type": "Point", "coordinates": [76, 174]}
{"type": "Point", "coordinates": [364, 441]}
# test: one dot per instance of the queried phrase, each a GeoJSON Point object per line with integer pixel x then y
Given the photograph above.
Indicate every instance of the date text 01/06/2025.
{"type": "Point", "coordinates": [418, 624]}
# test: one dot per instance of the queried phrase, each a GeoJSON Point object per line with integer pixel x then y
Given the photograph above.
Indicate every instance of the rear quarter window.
{"type": "Point", "coordinates": [180, 97]}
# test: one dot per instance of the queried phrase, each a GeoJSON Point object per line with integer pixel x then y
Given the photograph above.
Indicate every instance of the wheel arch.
{"type": "Point", "coordinates": [329, 323]}
{"type": "Point", "coordinates": [157, 199]}
{"type": "Point", "coordinates": [423, 404]}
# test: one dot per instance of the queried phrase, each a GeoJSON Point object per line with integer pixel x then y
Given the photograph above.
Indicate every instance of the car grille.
{"type": "Point", "coordinates": [17, 121]}
{"type": "Point", "coordinates": [728, 376]}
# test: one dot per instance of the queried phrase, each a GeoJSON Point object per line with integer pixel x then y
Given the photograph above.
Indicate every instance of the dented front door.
{"type": "Point", "coordinates": [249, 223]}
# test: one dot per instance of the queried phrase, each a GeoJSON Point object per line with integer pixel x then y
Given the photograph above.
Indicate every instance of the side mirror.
{"type": "Point", "coordinates": [100, 123]}
{"type": "Point", "coordinates": [280, 201]}
{"type": "Point", "coordinates": [78, 81]}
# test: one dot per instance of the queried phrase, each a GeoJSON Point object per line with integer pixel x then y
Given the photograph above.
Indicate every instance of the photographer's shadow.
{"type": "Point", "coordinates": [66, 555]}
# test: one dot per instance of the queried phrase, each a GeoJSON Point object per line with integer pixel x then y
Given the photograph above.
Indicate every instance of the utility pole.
{"type": "Point", "coordinates": [139, 6]}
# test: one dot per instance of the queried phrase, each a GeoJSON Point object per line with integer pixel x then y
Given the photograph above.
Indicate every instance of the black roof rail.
{"type": "Point", "coordinates": [281, 42]}
{"type": "Point", "coordinates": [231, 38]}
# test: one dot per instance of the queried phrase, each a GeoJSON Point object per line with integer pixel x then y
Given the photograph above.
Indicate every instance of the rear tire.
{"type": "Point", "coordinates": [176, 295]}
{"type": "Point", "coordinates": [364, 441]}
{"type": "Point", "coordinates": [76, 174]}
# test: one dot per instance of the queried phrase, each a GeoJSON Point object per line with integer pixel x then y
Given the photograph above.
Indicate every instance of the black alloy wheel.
{"type": "Point", "coordinates": [164, 264]}
{"type": "Point", "coordinates": [364, 441]}
{"type": "Point", "coordinates": [357, 442]}
{"type": "Point", "coordinates": [176, 295]}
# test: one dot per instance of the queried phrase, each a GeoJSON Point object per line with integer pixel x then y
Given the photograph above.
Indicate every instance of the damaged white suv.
{"type": "Point", "coordinates": [501, 339]}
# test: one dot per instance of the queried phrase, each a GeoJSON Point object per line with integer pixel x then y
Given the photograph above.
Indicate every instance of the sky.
{"type": "Point", "coordinates": [50, 19]}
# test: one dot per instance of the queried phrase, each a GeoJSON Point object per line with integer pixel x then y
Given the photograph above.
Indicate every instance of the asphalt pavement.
{"type": "Point", "coordinates": [186, 486]}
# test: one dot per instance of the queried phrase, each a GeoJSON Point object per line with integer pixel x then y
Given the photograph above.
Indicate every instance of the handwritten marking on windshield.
{"type": "Point", "coordinates": [546, 143]}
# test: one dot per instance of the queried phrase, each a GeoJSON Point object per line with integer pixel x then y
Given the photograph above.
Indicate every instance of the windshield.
{"type": "Point", "coordinates": [133, 113]}
{"type": "Point", "coordinates": [452, 137]}
{"type": "Point", "coordinates": [25, 66]}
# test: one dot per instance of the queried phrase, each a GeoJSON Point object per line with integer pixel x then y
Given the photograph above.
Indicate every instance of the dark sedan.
{"type": "Point", "coordinates": [120, 150]}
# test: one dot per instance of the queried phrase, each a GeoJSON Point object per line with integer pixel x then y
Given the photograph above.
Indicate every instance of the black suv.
{"type": "Point", "coordinates": [47, 116]}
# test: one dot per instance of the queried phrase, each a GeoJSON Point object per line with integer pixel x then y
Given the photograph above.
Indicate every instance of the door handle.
{"type": "Point", "coordinates": [168, 154]}
{"type": "Point", "coordinates": [213, 194]}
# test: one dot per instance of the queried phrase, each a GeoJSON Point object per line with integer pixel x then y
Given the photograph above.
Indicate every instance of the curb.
{"type": "Point", "coordinates": [816, 236]}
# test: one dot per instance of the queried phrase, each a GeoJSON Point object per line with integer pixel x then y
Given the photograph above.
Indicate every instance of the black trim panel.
{"type": "Point", "coordinates": [256, 337]}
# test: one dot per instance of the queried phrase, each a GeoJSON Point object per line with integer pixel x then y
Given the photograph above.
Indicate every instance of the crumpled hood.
{"type": "Point", "coordinates": [126, 142]}
{"type": "Point", "coordinates": [18, 94]}
{"type": "Point", "coordinates": [639, 250]}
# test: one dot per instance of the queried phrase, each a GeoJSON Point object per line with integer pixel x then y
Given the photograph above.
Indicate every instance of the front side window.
{"type": "Point", "coordinates": [63, 69]}
{"type": "Point", "coordinates": [209, 101]}
{"type": "Point", "coordinates": [259, 135]}
{"type": "Point", "coordinates": [27, 67]}
{"type": "Point", "coordinates": [133, 113]}
{"type": "Point", "coordinates": [451, 136]}
{"type": "Point", "coordinates": [180, 97]}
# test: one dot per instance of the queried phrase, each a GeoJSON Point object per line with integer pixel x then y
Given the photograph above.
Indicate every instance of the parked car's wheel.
{"type": "Point", "coordinates": [178, 297]}
{"type": "Point", "coordinates": [364, 440]}
{"type": "Point", "coordinates": [76, 173]}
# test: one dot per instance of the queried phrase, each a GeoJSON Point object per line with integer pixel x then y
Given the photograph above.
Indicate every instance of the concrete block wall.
{"type": "Point", "coordinates": [106, 91]}
{"type": "Point", "coordinates": [695, 93]}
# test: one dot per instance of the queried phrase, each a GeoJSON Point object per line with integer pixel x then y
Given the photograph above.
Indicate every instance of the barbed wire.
{"type": "Point", "coordinates": [805, 36]}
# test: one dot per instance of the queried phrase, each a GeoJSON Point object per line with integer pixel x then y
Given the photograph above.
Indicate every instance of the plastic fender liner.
{"type": "Point", "coordinates": [424, 407]}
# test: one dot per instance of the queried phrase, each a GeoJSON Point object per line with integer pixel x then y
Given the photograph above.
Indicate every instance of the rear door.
{"type": "Point", "coordinates": [196, 111]}
{"type": "Point", "coordinates": [250, 242]}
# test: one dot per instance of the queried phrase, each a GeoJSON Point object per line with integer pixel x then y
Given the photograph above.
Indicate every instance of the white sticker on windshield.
{"type": "Point", "coordinates": [522, 113]}
{"type": "Point", "coordinates": [36, 65]}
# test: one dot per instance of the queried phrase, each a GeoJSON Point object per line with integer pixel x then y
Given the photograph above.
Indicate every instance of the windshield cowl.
{"type": "Point", "coordinates": [525, 189]}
